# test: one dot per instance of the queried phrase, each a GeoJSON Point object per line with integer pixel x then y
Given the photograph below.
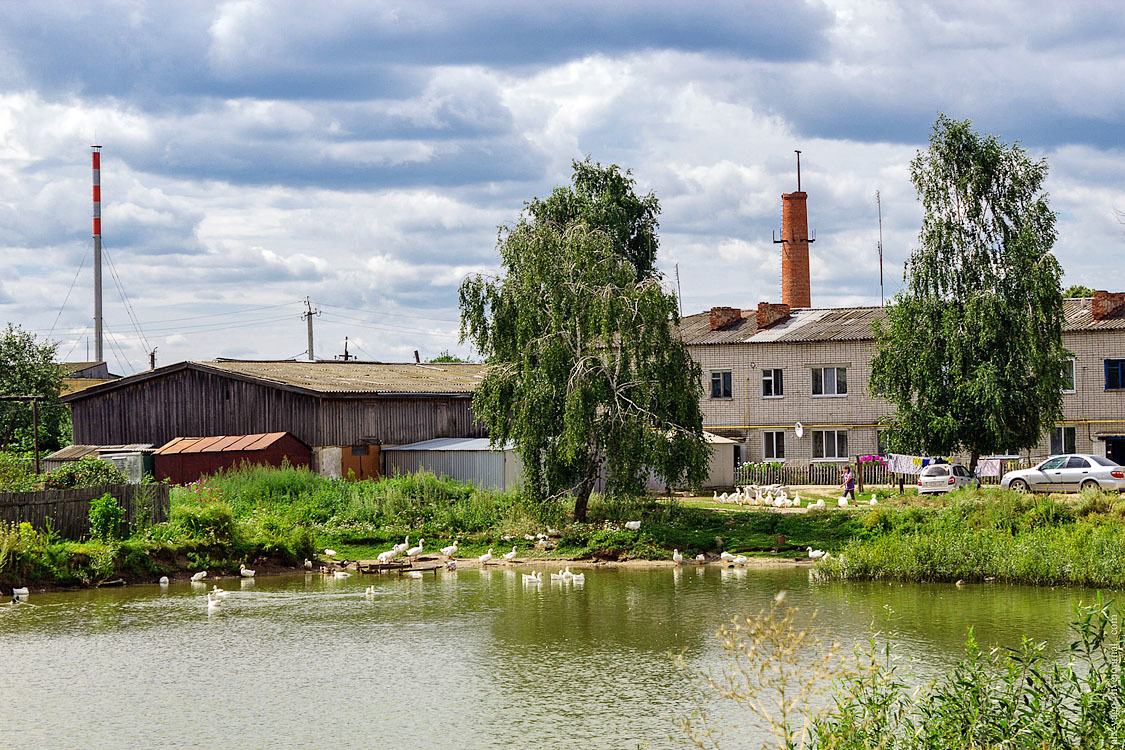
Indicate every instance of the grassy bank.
{"type": "Point", "coordinates": [991, 535]}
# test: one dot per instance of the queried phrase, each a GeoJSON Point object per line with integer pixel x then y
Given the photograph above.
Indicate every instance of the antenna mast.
{"type": "Point", "coordinates": [679, 294]}
{"type": "Point", "coordinates": [97, 171]}
{"type": "Point", "coordinates": [879, 203]}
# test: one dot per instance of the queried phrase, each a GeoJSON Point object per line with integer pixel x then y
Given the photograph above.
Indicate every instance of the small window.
{"type": "Point", "coordinates": [772, 384]}
{"type": "Point", "coordinates": [774, 445]}
{"type": "Point", "coordinates": [830, 444]}
{"type": "Point", "coordinates": [1077, 462]}
{"type": "Point", "coordinates": [359, 450]}
{"type": "Point", "coordinates": [939, 470]}
{"type": "Point", "coordinates": [1068, 376]}
{"type": "Point", "coordinates": [961, 471]}
{"type": "Point", "coordinates": [1062, 440]}
{"type": "Point", "coordinates": [1114, 374]}
{"type": "Point", "coordinates": [1103, 461]}
{"type": "Point", "coordinates": [720, 384]}
{"type": "Point", "coordinates": [829, 381]}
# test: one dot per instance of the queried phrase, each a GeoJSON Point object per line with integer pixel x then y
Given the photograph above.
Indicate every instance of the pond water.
{"type": "Point", "coordinates": [470, 659]}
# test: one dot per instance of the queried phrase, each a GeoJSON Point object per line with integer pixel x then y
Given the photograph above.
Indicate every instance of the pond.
{"type": "Point", "coordinates": [468, 659]}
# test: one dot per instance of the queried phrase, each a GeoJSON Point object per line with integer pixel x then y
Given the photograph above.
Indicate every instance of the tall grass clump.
{"type": "Point", "coordinates": [777, 677]}
{"type": "Point", "coordinates": [995, 535]}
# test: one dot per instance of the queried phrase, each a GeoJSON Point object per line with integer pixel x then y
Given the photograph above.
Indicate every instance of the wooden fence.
{"type": "Point", "coordinates": [69, 510]}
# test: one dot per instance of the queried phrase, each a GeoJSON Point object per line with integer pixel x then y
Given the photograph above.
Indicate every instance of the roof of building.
{"type": "Point", "coordinates": [343, 379]}
{"type": "Point", "coordinates": [849, 324]}
{"type": "Point", "coordinates": [221, 443]}
{"type": "Point", "coordinates": [75, 452]}
{"type": "Point", "coordinates": [449, 444]}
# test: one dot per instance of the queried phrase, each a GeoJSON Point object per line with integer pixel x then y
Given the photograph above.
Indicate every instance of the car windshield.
{"type": "Point", "coordinates": [935, 471]}
{"type": "Point", "coordinates": [1100, 461]}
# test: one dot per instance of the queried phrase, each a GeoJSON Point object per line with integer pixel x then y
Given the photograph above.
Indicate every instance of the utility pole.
{"type": "Point", "coordinates": [152, 358]}
{"type": "Point", "coordinates": [308, 316]}
{"type": "Point", "coordinates": [345, 356]}
{"type": "Point", "coordinates": [679, 293]}
{"type": "Point", "coordinates": [879, 203]}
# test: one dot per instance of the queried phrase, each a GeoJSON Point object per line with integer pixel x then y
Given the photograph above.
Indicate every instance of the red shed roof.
{"type": "Point", "coordinates": [220, 443]}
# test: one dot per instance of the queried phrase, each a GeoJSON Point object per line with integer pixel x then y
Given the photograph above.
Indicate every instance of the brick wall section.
{"type": "Point", "coordinates": [724, 316]}
{"type": "Point", "coordinates": [857, 412]}
{"type": "Point", "coordinates": [795, 288]}
{"type": "Point", "coordinates": [1105, 304]}
{"type": "Point", "coordinates": [768, 314]}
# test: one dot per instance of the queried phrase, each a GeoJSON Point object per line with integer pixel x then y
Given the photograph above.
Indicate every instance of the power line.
{"type": "Point", "coordinates": [79, 338]}
{"type": "Point", "coordinates": [393, 315]}
{"type": "Point", "coordinates": [381, 326]}
{"type": "Point", "coordinates": [194, 317]}
{"type": "Point", "coordinates": [129, 311]}
{"type": "Point", "coordinates": [71, 289]}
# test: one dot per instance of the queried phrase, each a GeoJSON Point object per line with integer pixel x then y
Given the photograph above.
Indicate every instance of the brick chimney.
{"type": "Point", "coordinates": [721, 317]}
{"type": "Point", "coordinates": [1106, 304]}
{"type": "Point", "coordinates": [796, 290]}
{"type": "Point", "coordinates": [768, 314]}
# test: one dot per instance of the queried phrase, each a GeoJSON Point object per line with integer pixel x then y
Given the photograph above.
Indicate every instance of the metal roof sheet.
{"type": "Point", "coordinates": [75, 452]}
{"type": "Point", "coordinates": [360, 377]}
{"type": "Point", "coordinates": [448, 444]}
{"type": "Point", "coordinates": [220, 443]}
{"type": "Point", "coordinates": [850, 324]}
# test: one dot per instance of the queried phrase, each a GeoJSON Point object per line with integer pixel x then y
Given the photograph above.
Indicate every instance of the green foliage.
{"type": "Point", "coordinates": [106, 518]}
{"type": "Point", "coordinates": [1077, 290]}
{"type": "Point", "coordinates": [85, 472]}
{"type": "Point", "coordinates": [970, 353]}
{"type": "Point", "coordinates": [585, 368]}
{"type": "Point", "coordinates": [28, 368]}
{"type": "Point", "coordinates": [978, 535]}
{"type": "Point", "coordinates": [17, 473]}
{"type": "Point", "coordinates": [206, 523]}
{"type": "Point", "coordinates": [445, 356]}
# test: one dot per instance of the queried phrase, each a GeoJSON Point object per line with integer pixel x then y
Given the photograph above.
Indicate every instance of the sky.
{"type": "Point", "coordinates": [364, 154]}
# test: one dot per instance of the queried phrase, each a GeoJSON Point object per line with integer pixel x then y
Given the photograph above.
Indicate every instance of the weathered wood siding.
{"type": "Point", "coordinates": [190, 403]}
{"type": "Point", "coordinates": [69, 510]}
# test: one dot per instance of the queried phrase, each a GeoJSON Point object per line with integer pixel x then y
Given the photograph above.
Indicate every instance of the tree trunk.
{"type": "Point", "coordinates": [582, 497]}
{"type": "Point", "coordinates": [973, 458]}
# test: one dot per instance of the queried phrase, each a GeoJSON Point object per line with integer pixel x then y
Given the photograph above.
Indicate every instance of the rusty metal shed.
{"type": "Point", "coordinates": [185, 459]}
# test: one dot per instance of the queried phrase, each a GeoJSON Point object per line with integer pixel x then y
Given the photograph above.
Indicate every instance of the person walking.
{"type": "Point", "coordinates": [848, 485]}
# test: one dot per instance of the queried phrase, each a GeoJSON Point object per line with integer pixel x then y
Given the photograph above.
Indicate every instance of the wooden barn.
{"type": "Point", "coordinates": [183, 460]}
{"type": "Point", "coordinates": [342, 410]}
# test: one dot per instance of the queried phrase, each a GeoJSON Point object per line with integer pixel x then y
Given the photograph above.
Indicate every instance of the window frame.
{"type": "Point", "coordinates": [838, 455]}
{"type": "Point", "coordinates": [771, 440]}
{"type": "Point", "coordinates": [776, 382]}
{"type": "Point", "coordinates": [1073, 376]}
{"type": "Point", "coordinates": [1118, 366]}
{"type": "Point", "coordinates": [726, 383]}
{"type": "Point", "coordinates": [1059, 435]}
{"type": "Point", "coordinates": [822, 369]}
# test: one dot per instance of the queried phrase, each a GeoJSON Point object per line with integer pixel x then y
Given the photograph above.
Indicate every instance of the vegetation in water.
{"type": "Point", "coordinates": [991, 535]}
{"type": "Point", "coordinates": [799, 687]}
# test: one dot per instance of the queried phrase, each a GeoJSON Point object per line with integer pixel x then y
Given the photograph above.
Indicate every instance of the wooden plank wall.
{"type": "Point", "coordinates": [69, 510]}
{"type": "Point", "coordinates": [189, 403]}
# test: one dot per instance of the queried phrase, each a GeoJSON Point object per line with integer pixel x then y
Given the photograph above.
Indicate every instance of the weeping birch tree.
{"type": "Point", "coordinates": [971, 352]}
{"type": "Point", "coordinates": [585, 370]}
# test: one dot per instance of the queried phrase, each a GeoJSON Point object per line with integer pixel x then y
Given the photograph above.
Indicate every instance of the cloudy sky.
{"type": "Point", "coordinates": [363, 154]}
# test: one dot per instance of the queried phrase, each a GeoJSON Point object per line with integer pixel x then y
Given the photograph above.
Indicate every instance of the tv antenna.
{"type": "Point", "coordinates": [879, 204]}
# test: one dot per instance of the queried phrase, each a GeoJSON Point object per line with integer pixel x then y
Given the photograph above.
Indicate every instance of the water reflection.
{"type": "Point", "coordinates": [473, 657]}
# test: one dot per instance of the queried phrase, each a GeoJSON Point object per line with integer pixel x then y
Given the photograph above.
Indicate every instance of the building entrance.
{"type": "Point", "coordinates": [1115, 449]}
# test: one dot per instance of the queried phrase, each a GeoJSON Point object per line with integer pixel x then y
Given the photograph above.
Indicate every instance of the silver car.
{"type": "Point", "coordinates": [1069, 473]}
{"type": "Point", "coordinates": [944, 478]}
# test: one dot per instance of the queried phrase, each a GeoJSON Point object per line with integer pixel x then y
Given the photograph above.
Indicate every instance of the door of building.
{"type": "Point", "coordinates": [1115, 449]}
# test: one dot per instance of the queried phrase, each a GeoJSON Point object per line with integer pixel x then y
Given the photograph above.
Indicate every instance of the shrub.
{"type": "Point", "coordinates": [106, 517]}
{"type": "Point", "coordinates": [85, 472]}
{"type": "Point", "coordinates": [210, 523]}
{"type": "Point", "coordinates": [16, 474]}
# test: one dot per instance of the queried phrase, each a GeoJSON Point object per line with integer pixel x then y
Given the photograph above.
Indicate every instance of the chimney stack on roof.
{"type": "Point", "coordinates": [721, 317]}
{"type": "Point", "coordinates": [795, 287]}
{"type": "Point", "coordinates": [1106, 304]}
{"type": "Point", "coordinates": [768, 314]}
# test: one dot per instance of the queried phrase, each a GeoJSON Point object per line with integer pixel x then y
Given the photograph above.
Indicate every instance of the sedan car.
{"type": "Point", "coordinates": [944, 478]}
{"type": "Point", "coordinates": [1069, 473]}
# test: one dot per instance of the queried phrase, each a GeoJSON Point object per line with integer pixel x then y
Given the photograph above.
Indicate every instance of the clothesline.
{"type": "Point", "coordinates": [898, 463]}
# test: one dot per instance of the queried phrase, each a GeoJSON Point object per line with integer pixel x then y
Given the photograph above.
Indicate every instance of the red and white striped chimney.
{"type": "Point", "coordinates": [97, 168]}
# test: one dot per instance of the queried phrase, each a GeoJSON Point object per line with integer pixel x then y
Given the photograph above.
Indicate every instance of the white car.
{"type": "Point", "coordinates": [1069, 473]}
{"type": "Point", "coordinates": [944, 478]}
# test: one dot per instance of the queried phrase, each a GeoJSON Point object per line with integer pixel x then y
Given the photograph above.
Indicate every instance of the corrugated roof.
{"type": "Point", "coordinates": [448, 444]}
{"type": "Point", "coordinates": [75, 452]}
{"type": "Point", "coordinates": [220, 443]}
{"type": "Point", "coordinates": [849, 324]}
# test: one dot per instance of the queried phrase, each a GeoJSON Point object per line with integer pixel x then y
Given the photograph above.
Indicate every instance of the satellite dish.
{"type": "Point", "coordinates": [799, 429]}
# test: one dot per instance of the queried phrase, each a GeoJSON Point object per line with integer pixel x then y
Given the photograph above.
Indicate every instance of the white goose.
{"type": "Point", "coordinates": [677, 557]}
{"type": "Point", "coordinates": [213, 602]}
{"type": "Point", "coordinates": [741, 560]}
{"type": "Point", "coordinates": [20, 594]}
{"type": "Point", "coordinates": [816, 554]}
{"type": "Point", "coordinates": [342, 574]}
{"type": "Point", "coordinates": [416, 550]}
{"type": "Point", "coordinates": [369, 591]}
{"type": "Point", "coordinates": [701, 558]}
{"type": "Point", "coordinates": [197, 577]}
{"type": "Point", "coordinates": [245, 572]}
{"type": "Point", "coordinates": [728, 557]}
{"type": "Point", "coordinates": [577, 577]}
{"type": "Point", "coordinates": [560, 576]}
{"type": "Point", "coordinates": [633, 525]}
{"type": "Point", "coordinates": [164, 581]}
{"type": "Point", "coordinates": [483, 559]}
{"type": "Point", "coordinates": [450, 551]}
{"type": "Point", "coordinates": [386, 556]}
{"type": "Point", "coordinates": [218, 592]}
{"type": "Point", "coordinates": [308, 564]}
{"type": "Point", "coordinates": [330, 552]}
{"type": "Point", "coordinates": [533, 578]}
{"type": "Point", "coordinates": [842, 502]}
{"type": "Point", "coordinates": [509, 556]}
{"type": "Point", "coordinates": [400, 548]}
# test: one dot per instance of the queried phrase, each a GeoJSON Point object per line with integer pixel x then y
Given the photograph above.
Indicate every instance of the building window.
{"type": "Point", "coordinates": [720, 384]}
{"type": "Point", "coordinates": [772, 384]}
{"type": "Point", "coordinates": [774, 445]}
{"type": "Point", "coordinates": [1114, 374]}
{"type": "Point", "coordinates": [881, 442]}
{"type": "Point", "coordinates": [1062, 440]}
{"type": "Point", "coordinates": [1068, 376]}
{"type": "Point", "coordinates": [829, 444]}
{"type": "Point", "coordinates": [829, 381]}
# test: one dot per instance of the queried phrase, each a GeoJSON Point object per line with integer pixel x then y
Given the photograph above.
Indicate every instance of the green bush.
{"type": "Point", "coordinates": [207, 523]}
{"type": "Point", "coordinates": [85, 472]}
{"type": "Point", "coordinates": [106, 518]}
{"type": "Point", "coordinates": [16, 474]}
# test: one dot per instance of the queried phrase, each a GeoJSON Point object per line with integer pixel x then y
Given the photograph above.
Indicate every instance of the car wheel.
{"type": "Point", "coordinates": [1091, 485]}
{"type": "Point", "coordinates": [1018, 485]}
